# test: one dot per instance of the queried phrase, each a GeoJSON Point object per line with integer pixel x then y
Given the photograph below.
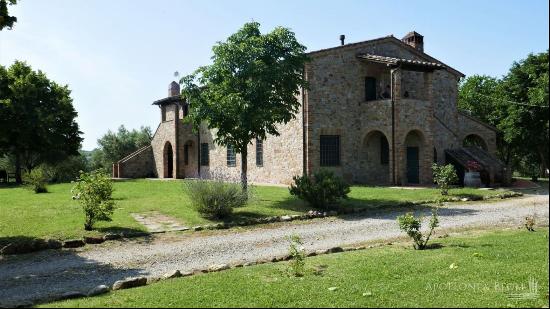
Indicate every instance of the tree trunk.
{"type": "Point", "coordinates": [244, 167]}
{"type": "Point", "coordinates": [543, 165]}
{"type": "Point", "coordinates": [18, 178]}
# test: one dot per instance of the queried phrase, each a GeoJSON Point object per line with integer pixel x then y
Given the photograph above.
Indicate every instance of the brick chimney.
{"type": "Point", "coordinates": [173, 89]}
{"type": "Point", "coordinates": [415, 40]}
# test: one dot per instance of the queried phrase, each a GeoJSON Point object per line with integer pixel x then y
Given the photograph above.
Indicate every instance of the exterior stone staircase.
{"type": "Point", "coordinates": [138, 164]}
{"type": "Point", "coordinates": [494, 172]}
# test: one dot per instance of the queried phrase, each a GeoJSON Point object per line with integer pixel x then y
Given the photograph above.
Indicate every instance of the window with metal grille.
{"type": "Point", "coordinates": [330, 150]}
{"type": "Point", "coordinates": [384, 151]}
{"type": "Point", "coordinates": [205, 155]}
{"type": "Point", "coordinates": [259, 152]}
{"type": "Point", "coordinates": [231, 157]}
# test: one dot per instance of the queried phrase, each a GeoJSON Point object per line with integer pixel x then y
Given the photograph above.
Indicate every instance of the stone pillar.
{"type": "Point", "coordinates": [428, 156]}
{"type": "Point", "coordinates": [395, 137]}
{"type": "Point", "coordinates": [115, 170]}
{"type": "Point", "coordinates": [176, 164]}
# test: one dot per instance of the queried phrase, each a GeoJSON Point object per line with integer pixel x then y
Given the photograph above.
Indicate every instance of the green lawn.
{"type": "Point", "coordinates": [490, 266]}
{"type": "Point", "coordinates": [24, 214]}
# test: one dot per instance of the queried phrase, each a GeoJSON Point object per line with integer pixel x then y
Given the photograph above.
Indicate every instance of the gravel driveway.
{"type": "Point", "coordinates": [44, 275]}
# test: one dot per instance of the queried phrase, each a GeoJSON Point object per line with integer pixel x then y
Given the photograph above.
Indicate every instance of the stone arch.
{"type": "Point", "coordinates": [375, 158]}
{"type": "Point", "coordinates": [414, 150]}
{"type": "Point", "coordinates": [168, 160]}
{"type": "Point", "coordinates": [474, 140]}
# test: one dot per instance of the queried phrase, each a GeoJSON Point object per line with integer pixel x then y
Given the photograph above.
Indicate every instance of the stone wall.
{"type": "Point", "coordinates": [186, 136]}
{"type": "Point", "coordinates": [282, 156]}
{"type": "Point", "coordinates": [471, 126]}
{"type": "Point", "coordinates": [139, 164]}
{"type": "Point", "coordinates": [336, 105]}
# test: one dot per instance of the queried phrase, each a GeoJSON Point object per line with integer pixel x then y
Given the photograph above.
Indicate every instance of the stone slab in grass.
{"type": "Point", "coordinates": [157, 222]}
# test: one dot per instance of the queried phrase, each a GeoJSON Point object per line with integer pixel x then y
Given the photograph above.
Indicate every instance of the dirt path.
{"type": "Point", "coordinates": [42, 276]}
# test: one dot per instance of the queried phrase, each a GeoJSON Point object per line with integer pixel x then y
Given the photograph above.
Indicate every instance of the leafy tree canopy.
{"type": "Point", "coordinates": [252, 85]}
{"type": "Point", "coordinates": [517, 105]}
{"type": "Point", "coordinates": [114, 146]}
{"type": "Point", "coordinates": [37, 118]}
{"type": "Point", "coordinates": [6, 21]}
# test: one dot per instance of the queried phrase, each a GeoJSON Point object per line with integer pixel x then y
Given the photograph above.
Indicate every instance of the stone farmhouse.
{"type": "Point", "coordinates": [376, 112]}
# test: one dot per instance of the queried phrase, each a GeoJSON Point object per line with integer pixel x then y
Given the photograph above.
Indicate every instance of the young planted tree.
{"type": "Point", "coordinates": [251, 86]}
{"type": "Point", "coordinates": [444, 177]}
{"type": "Point", "coordinates": [94, 192]}
{"type": "Point", "coordinates": [37, 119]}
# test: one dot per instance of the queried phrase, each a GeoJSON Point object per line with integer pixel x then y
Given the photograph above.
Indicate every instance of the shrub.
{"type": "Point", "coordinates": [444, 176]}
{"type": "Point", "coordinates": [322, 190]}
{"type": "Point", "coordinates": [530, 222]}
{"type": "Point", "coordinates": [94, 192]}
{"type": "Point", "coordinates": [216, 199]}
{"type": "Point", "coordinates": [411, 225]}
{"type": "Point", "coordinates": [297, 256]}
{"type": "Point", "coordinates": [37, 180]}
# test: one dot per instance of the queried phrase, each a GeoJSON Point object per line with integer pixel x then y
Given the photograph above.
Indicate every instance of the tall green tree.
{"type": "Point", "coordinates": [251, 86]}
{"type": "Point", "coordinates": [6, 21]}
{"type": "Point", "coordinates": [114, 146]}
{"type": "Point", "coordinates": [518, 105]}
{"type": "Point", "coordinates": [483, 97]}
{"type": "Point", "coordinates": [37, 118]}
{"type": "Point", "coordinates": [527, 122]}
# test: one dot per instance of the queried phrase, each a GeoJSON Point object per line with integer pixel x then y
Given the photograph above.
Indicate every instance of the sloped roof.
{"type": "Point", "coordinates": [401, 61]}
{"type": "Point", "coordinates": [169, 100]}
{"type": "Point", "coordinates": [389, 38]}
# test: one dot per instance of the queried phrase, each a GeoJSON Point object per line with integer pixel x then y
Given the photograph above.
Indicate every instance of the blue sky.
{"type": "Point", "coordinates": [118, 56]}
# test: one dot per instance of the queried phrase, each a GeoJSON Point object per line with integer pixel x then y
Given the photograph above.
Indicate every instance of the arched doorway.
{"type": "Point", "coordinates": [168, 160]}
{"type": "Point", "coordinates": [414, 151]}
{"type": "Point", "coordinates": [376, 159]}
{"type": "Point", "coordinates": [474, 140]}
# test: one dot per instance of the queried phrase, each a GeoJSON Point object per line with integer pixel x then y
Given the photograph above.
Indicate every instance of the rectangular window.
{"type": "Point", "coordinates": [186, 154]}
{"type": "Point", "coordinates": [370, 88]}
{"type": "Point", "coordinates": [259, 152]}
{"type": "Point", "coordinates": [163, 112]}
{"type": "Point", "coordinates": [205, 154]}
{"type": "Point", "coordinates": [231, 157]}
{"type": "Point", "coordinates": [384, 151]}
{"type": "Point", "coordinates": [330, 150]}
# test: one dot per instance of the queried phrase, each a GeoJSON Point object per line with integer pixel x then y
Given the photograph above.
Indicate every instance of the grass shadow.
{"type": "Point", "coordinates": [125, 231]}
{"type": "Point", "coordinates": [434, 246]}
{"type": "Point", "coordinates": [21, 245]}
